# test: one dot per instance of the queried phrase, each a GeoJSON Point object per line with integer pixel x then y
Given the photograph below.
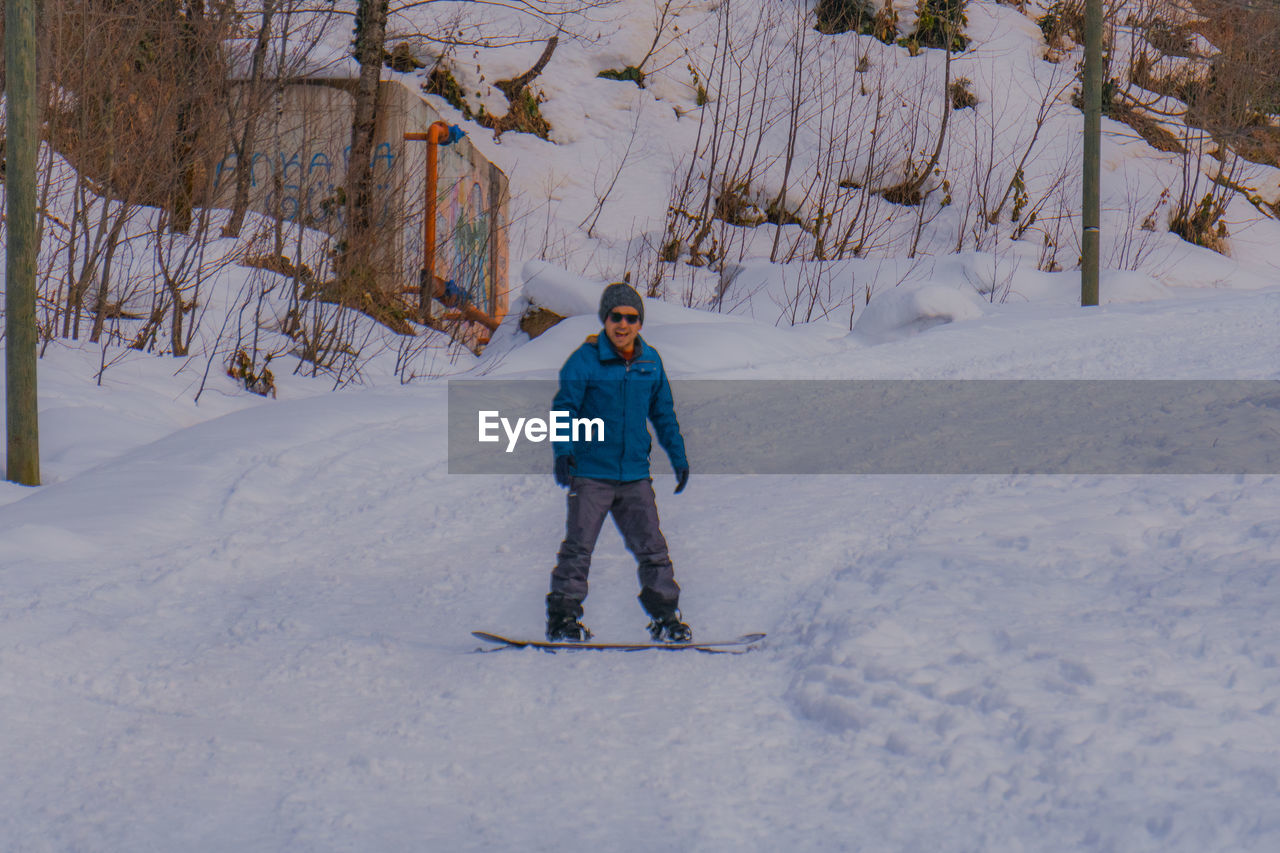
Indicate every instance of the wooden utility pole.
{"type": "Point", "coordinates": [1091, 213]}
{"type": "Point", "coordinates": [21, 145]}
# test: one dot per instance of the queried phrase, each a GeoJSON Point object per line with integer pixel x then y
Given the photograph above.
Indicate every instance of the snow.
{"type": "Point", "coordinates": [244, 624]}
{"type": "Point", "coordinates": [908, 311]}
{"type": "Point", "coordinates": [546, 286]}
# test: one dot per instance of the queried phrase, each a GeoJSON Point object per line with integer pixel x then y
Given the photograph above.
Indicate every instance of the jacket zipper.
{"type": "Point", "coordinates": [626, 402]}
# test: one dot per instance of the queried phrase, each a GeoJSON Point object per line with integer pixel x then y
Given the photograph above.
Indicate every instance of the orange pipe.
{"type": "Point", "coordinates": [437, 133]}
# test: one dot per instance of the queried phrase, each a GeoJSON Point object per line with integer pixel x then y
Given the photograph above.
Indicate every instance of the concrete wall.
{"type": "Point", "coordinates": [300, 163]}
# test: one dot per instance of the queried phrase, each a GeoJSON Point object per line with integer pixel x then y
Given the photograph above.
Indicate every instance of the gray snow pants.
{"type": "Point", "coordinates": [635, 512]}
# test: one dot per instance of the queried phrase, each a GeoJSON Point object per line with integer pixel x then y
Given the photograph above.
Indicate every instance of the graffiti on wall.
{"type": "Point", "coordinates": [308, 194]}
{"type": "Point", "coordinates": [467, 247]}
{"type": "Point", "coordinates": [299, 176]}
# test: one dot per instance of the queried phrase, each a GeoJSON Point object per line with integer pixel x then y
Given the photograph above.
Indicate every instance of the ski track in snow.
{"type": "Point", "coordinates": [1082, 682]}
{"type": "Point", "coordinates": [273, 655]}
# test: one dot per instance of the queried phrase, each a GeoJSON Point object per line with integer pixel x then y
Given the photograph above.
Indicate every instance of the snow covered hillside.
{"type": "Point", "coordinates": [243, 624]}
{"type": "Point", "coordinates": [783, 143]}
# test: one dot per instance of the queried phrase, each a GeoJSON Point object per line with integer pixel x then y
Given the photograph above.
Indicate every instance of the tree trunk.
{"type": "Point", "coordinates": [186, 18]}
{"type": "Point", "coordinates": [370, 39]}
{"type": "Point", "coordinates": [104, 282]}
{"type": "Point", "coordinates": [243, 148]}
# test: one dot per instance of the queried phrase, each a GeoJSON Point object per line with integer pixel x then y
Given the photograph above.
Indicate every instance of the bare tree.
{"type": "Point", "coordinates": [249, 106]}
{"type": "Point", "coordinates": [1215, 98]}
{"type": "Point", "coordinates": [370, 41]}
{"type": "Point", "coordinates": [132, 87]}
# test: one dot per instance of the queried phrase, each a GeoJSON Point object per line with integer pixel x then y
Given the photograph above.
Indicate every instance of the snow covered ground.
{"type": "Point", "coordinates": [245, 626]}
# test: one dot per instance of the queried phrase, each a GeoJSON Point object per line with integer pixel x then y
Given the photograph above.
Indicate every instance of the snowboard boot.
{"type": "Point", "coordinates": [563, 625]}
{"type": "Point", "coordinates": [665, 626]}
{"type": "Point", "coordinates": [669, 629]}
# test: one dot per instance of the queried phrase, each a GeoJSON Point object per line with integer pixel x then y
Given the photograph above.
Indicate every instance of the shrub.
{"type": "Point", "coordinates": [940, 24]}
{"type": "Point", "coordinates": [843, 16]}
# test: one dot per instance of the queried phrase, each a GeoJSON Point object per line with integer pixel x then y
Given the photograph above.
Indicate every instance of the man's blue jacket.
{"type": "Point", "coordinates": [596, 382]}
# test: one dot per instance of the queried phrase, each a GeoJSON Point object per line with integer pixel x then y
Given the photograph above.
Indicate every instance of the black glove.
{"type": "Point", "coordinates": [564, 471]}
{"type": "Point", "coordinates": [682, 479]}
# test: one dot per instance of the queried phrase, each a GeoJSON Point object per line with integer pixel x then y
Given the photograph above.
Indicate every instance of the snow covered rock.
{"type": "Point", "coordinates": [905, 311]}
{"type": "Point", "coordinates": [569, 295]}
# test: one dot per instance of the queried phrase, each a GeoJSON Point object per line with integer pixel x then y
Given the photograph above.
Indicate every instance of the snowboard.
{"type": "Point", "coordinates": [738, 646]}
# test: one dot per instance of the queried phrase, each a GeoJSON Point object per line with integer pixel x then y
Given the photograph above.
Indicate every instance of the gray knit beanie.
{"type": "Point", "coordinates": [618, 294]}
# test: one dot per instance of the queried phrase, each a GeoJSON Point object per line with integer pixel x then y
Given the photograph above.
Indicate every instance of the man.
{"type": "Point", "coordinates": [618, 378]}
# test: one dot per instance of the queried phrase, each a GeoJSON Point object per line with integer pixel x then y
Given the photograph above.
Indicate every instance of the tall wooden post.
{"type": "Point", "coordinates": [1091, 213]}
{"type": "Point", "coordinates": [21, 146]}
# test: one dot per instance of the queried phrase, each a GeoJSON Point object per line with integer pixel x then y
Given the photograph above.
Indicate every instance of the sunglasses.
{"type": "Point", "coordinates": [617, 317]}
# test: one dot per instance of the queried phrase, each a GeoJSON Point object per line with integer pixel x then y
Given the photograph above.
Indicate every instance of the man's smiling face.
{"type": "Point", "coordinates": [622, 325]}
